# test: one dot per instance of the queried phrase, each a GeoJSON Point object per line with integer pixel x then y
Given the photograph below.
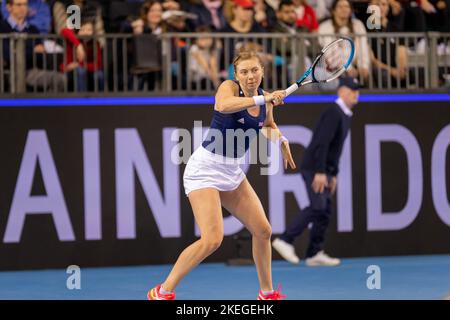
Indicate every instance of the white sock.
{"type": "Point", "coordinates": [162, 291]}
{"type": "Point", "coordinates": [267, 292]}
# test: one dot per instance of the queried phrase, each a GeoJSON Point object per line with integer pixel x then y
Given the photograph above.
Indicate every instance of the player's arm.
{"type": "Point", "coordinates": [271, 131]}
{"type": "Point", "coordinates": [270, 128]}
{"type": "Point", "coordinates": [227, 99]}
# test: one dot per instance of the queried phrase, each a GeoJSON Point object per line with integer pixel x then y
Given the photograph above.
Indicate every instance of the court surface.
{"type": "Point", "coordinates": [406, 277]}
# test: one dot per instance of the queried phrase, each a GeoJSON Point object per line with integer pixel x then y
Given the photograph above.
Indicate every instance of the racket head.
{"type": "Point", "coordinates": [334, 59]}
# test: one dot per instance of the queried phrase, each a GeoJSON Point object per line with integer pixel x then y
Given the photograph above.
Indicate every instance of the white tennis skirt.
{"type": "Point", "coordinates": [208, 170]}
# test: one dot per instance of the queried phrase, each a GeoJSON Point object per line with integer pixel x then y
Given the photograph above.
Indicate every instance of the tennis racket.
{"type": "Point", "coordinates": [331, 62]}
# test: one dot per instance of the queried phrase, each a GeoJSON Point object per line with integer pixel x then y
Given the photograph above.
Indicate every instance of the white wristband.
{"type": "Point", "coordinates": [283, 139]}
{"type": "Point", "coordinates": [259, 100]}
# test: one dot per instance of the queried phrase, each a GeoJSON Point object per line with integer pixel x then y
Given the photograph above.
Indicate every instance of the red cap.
{"type": "Point", "coordinates": [244, 3]}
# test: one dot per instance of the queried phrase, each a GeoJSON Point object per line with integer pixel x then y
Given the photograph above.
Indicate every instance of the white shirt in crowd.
{"type": "Point", "coordinates": [196, 71]}
{"type": "Point", "coordinates": [362, 53]}
{"type": "Point", "coordinates": [321, 7]}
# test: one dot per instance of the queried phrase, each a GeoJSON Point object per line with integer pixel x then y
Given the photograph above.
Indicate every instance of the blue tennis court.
{"type": "Point", "coordinates": [406, 277]}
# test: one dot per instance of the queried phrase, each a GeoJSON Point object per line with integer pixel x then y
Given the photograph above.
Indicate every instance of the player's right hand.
{"type": "Point", "coordinates": [276, 97]}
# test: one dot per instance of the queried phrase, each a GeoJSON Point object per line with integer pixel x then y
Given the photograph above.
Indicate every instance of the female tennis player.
{"type": "Point", "coordinates": [211, 180]}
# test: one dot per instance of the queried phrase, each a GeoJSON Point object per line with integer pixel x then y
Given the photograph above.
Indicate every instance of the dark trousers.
{"type": "Point", "coordinates": [318, 213]}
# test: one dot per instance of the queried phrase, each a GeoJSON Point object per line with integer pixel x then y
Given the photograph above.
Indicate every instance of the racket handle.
{"type": "Point", "coordinates": [291, 89]}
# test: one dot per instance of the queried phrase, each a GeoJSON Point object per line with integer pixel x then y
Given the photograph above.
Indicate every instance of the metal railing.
{"type": "Point", "coordinates": [149, 65]}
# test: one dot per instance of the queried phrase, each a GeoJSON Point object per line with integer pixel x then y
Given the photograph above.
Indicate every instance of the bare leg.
{"type": "Point", "coordinates": [244, 204]}
{"type": "Point", "coordinates": [208, 215]}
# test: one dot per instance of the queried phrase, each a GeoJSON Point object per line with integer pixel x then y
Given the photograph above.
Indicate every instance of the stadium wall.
{"type": "Point", "coordinates": [91, 181]}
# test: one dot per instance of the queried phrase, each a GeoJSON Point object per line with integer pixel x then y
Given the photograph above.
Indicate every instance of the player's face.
{"type": "Point", "coordinates": [249, 73]}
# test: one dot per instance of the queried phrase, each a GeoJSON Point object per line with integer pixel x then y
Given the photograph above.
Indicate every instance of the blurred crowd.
{"type": "Point", "coordinates": [82, 68]}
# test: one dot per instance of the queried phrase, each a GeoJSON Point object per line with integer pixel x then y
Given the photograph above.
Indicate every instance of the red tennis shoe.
{"type": "Point", "coordinates": [154, 294]}
{"type": "Point", "coordinates": [275, 295]}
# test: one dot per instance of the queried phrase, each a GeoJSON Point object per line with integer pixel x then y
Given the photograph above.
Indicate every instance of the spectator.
{"type": "Point", "coordinates": [136, 26]}
{"type": "Point", "coordinates": [171, 5]}
{"type": "Point", "coordinates": [203, 66]}
{"type": "Point", "coordinates": [392, 62]}
{"type": "Point", "coordinates": [88, 10]}
{"type": "Point", "coordinates": [274, 4]}
{"type": "Point", "coordinates": [414, 14]}
{"type": "Point", "coordinates": [175, 21]}
{"type": "Point", "coordinates": [151, 14]}
{"type": "Point", "coordinates": [264, 14]}
{"type": "Point", "coordinates": [266, 58]}
{"type": "Point", "coordinates": [322, 8]}
{"type": "Point", "coordinates": [149, 22]}
{"type": "Point", "coordinates": [209, 13]}
{"type": "Point", "coordinates": [440, 19]}
{"type": "Point", "coordinates": [35, 75]}
{"type": "Point", "coordinates": [306, 17]}
{"type": "Point", "coordinates": [241, 20]}
{"type": "Point", "coordinates": [92, 11]}
{"type": "Point", "coordinates": [287, 24]}
{"type": "Point", "coordinates": [341, 23]}
{"type": "Point", "coordinates": [88, 66]}
{"type": "Point", "coordinates": [396, 16]}
{"type": "Point", "coordinates": [38, 15]}
{"type": "Point", "coordinates": [287, 18]}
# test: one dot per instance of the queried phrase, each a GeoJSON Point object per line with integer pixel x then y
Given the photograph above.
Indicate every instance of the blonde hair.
{"type": "Point", "coordinates": [246, 55]}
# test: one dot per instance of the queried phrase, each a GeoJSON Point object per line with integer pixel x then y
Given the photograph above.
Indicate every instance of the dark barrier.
{"type": "Point", "coordinates": [95, 186]}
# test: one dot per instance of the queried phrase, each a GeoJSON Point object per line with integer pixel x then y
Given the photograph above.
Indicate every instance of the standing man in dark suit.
{"type": "Point", "coordinates": [319, 169]}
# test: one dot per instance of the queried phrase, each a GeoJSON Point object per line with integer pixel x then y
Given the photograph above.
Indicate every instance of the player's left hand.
{"type": "Point", "coordinates": [287, 156]}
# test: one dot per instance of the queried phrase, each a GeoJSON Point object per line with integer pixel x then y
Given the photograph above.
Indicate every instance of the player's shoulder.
{"type": "Point", "coordinates": [228, 87]}
{"type": "Point", "coordinates": [230, 83]}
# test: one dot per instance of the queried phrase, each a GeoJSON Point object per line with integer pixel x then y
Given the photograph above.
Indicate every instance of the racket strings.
{"type": "Point", "coordinates": [332, 61]}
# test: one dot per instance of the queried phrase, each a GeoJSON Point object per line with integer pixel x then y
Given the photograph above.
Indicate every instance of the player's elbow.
{"type": "Point", "coordinates": [221, 106]}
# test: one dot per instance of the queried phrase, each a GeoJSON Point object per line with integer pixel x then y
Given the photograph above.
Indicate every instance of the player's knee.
{"type": "Point", "coordinates": [264, 232]}
{"type": "Point", "coordinates": [212, 242]}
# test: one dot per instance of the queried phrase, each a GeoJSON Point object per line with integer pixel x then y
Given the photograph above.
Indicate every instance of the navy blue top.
{"type": "Point", "coordinates": [323, 153]}
{"type": "Point", "coordinates": [230, 134]}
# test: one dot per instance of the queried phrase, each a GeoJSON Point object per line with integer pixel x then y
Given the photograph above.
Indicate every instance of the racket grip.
{"type": "Point", "coordinates": [291, 89]}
